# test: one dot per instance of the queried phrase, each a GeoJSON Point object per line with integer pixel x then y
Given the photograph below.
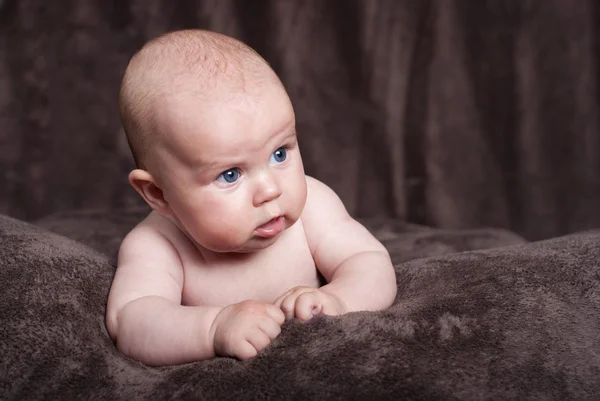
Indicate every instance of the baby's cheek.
{"type": "Point", "coordinates": [224, 232]}
{"type": "Point", "coordinates": [296, 196]}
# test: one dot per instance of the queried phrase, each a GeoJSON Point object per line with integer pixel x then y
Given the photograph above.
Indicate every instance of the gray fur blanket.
{"type": "Point", "coordinates": [511, 320]}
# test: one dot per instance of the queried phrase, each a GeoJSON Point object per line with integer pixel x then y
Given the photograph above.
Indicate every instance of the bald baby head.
{"type": "Point", "coordinates": [204, 64]}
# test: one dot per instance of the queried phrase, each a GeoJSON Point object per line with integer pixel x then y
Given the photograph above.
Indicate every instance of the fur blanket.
{"type": "Point", "coordinates": [513, 321]}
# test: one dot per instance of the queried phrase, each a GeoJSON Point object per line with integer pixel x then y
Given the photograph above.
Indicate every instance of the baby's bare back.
{"type": "Point", "coordinates": [221, 279]}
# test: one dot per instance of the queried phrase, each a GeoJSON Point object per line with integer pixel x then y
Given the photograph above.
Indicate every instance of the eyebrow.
{"type": "Point", "coordinates": [285, 128]}
{"type": "Point", "coordinates": [222, 166]}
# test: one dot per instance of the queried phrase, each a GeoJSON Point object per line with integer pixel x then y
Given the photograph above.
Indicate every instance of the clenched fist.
{"type": "Point", "coordinates": [306, 302]}
{"type": "Point", "coordinates": [242, 330]}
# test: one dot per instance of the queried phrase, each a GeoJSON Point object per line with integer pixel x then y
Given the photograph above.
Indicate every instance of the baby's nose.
{"type": "Point", "coordinates": [267, 188]}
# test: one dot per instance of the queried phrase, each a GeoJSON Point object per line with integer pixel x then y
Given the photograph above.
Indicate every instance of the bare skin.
{"type": "Point", "coordinates": [237, 237]}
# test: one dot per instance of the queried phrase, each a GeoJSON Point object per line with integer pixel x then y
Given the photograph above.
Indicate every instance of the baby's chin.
{"type": "Point", "coordinates": [257, 244]}
{"type": "Point", "coordinates": [253, 244]}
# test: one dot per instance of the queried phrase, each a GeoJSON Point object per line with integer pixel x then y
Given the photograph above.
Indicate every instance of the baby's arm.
{"type": "Point", "coordinates": [355, 264]}
{"type": "Point", "coordinates": [146, 319]}
{"type": "Point", "coordinates": [144, 313]}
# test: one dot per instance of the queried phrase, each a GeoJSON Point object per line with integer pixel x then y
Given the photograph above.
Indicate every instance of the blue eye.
{"type": "Point", "coordinates": [278, 156]}
{"type": "Point", "coordinates": [229, 176]}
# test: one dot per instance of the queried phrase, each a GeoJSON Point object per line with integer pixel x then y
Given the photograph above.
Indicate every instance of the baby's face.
{"type": "Point", "coordinates": [231, 169]}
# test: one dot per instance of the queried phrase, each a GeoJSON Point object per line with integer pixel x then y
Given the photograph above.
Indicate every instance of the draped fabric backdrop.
{"type": "Point", "coordinates": [448, 113]}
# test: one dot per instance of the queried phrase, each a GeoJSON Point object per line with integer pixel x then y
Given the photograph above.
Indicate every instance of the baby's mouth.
{"type": "Point", "coordinates": [271, 228]}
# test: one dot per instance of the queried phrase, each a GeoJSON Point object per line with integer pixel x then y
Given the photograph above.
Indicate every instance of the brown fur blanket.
{"type": "Point", "coordinates": [519, 321]}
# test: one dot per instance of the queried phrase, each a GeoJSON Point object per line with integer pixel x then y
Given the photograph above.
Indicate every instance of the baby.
{"type": "Point", "coordinates": [238, 236]}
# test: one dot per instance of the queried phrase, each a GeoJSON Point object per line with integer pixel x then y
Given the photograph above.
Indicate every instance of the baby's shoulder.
{"type": "Point", "coordinates": [147, 252]}
{"type": "Point", "coordinates": [153, 232]}
{"type": "Point", "coordinates": [319, 190]}
{"type": "Point", "coordinates": [320, 199]}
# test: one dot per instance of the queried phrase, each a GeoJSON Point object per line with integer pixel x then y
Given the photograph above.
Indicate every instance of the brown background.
{"type": "Point", "coordinates": [447, 113]}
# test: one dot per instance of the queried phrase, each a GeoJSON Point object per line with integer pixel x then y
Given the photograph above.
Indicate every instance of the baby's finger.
{"type": "Point", "coordinates": [288, 305]}
{"type": "Point", "coordinates": [276, 314]}
{"type": "Point", "coordinates": [245, 350]}
{"type": "Point", "coordinates": [270, 327]}
{"type": "Point", "coordinates": [258, 339]}
{"type": "Point", "coordinates": [295, 290]}
{"type": "Point", "coordinates": [286, 294]}
{"type": "Point", "coordinates": [280, 298]}
{"type": "Point", "coordinates": [307, 306]}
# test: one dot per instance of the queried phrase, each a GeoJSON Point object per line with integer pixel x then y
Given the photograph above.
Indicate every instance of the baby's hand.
{"type": "Point", "coordinates": [242, 330]}
{"type": "Point", "coordinates": [306, 302]}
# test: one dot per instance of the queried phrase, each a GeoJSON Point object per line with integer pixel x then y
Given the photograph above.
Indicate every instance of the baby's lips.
{"type": "Point", "coordinates": [271, 228]}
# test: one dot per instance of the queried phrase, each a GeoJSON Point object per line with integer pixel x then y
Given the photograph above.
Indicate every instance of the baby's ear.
{"type": "Point", "coordinates": [143, 182]}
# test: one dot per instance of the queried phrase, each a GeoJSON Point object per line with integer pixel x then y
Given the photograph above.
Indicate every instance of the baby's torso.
{"type": "Point", "coordinates": [262, 275]}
